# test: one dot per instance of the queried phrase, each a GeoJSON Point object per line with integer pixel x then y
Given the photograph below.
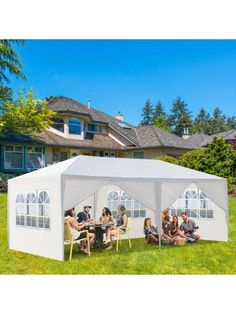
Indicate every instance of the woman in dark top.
{"type": "Point", "coordinates": [175, 229]}
{"type": "Point", "coordinates": [151, 234]}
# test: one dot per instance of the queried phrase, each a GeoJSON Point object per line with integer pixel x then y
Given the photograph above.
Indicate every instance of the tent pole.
{"type": "Point", "coordinates": [95, 203]}
{"type": "Point", "coordinates": [158, 201]}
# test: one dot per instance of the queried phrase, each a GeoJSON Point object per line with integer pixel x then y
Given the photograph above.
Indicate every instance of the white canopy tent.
{"type": "Point", "coordinates": [37, 200]}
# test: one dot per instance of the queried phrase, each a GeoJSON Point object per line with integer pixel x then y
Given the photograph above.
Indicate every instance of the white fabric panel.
{"type": "Point", "coordinates": [129, 168]}
{"type": "Point", "coordinates": [48, 243]}
{"type": "Point", "coordinates": [75, 190]}
{"type": "Point", "coordinates": [141, 191]}
{"type": "Point", "coordinates": [216, 191]}
{"type": "Point", "coordinates": [171, 191]}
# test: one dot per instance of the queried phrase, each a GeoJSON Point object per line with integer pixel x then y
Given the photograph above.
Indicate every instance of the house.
{"type": "Point", "coordinates": [202, 140]}
{"type": "Point", "coordinates": [80, 129]}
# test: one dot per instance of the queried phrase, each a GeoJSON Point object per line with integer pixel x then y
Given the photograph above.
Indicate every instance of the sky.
{"type": "Point", "coordinates": [120, 75]}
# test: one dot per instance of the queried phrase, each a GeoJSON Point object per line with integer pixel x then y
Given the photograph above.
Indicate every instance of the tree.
{"type": "Point", "coordinates": [201, 122]}
{"type": "Point", "coordinates": [171, 160]}
{"type": "Point", "coordinates": [159, 110]}
{"type": "Point", "coordinates": [160, 117]}
{"type": "Point", "coordinates": [180, 117]}
{"type": "Point", "coordinates": [217, 121]}
{"type": "Point", "coordinates": [9, 63]}
{"type": "Point", "coordinates": [27, 116]}
{"type": "Point", "coordinates": [217, 158]}
{"type": "Point", "coordinates": [147, 115]}
{"type": "Point", "coordinates": [231, 123]}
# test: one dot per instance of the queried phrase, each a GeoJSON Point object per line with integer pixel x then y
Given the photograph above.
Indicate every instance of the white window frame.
{"type": "Point", "coordinates": [128, 201]}
{"type": "Point", "coordinates": [36, 214]}
{"type": "Point", "coordinates": [179, 205]}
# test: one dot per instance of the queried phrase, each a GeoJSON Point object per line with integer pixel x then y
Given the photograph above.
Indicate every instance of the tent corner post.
{"type": "Point", "coordinates": [158, 202]}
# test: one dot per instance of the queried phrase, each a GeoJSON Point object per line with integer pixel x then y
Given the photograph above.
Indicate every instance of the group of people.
{"type": "Point", "coordinates": [82, 221]}
{"type": "Point", "coordinates": [171, 232]}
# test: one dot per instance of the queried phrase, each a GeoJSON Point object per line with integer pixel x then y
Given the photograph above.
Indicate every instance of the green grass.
{"type": "Point", "coordinates": [204, 257]}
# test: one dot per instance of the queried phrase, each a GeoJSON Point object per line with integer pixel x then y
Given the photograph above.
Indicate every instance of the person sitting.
{"type": "Point", "coordinates": [151, 234]}
{"type": "Point", "coordinates": [166, 235]}
{"type": "Point", "coordinates": [121, 225]}
{"type": "Point", "coordinates": [76, 228]}
{"type": "Point", "coordinates": [84, 215]}
{"type": "Point", "coordinates": [106, 215]}
{"type": "Point", "coordinates": [106, 218]}
{"type": "Point", "coordinates": [175, 229]}
{"type": "Point", "coordinates": [188, 226]}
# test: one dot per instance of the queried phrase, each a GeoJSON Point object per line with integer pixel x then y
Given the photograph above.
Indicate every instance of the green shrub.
{"type": "Point", "coordinates": [169, 159]}
{"type": "Point", "coordinates": [3, 180]}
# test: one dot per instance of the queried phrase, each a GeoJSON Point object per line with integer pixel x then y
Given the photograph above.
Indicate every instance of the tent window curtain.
{"type": "Point", "coordinates": [134, 208]}
{"type": "Point", "coordinates": [195, 204]}
{"type": "Point", "coordinates": [32, 209]}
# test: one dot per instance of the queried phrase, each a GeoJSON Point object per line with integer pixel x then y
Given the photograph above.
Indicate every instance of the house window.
{"type": "Point", "coordinates": [58, 124]}
{"type": "Point", "coordinates": [74, 126]}
{"type": "Point", "coordinates": [134, 208]}
{"type": "Point", "coordinates": [13, 158]}
{"type": "Point", "coordinates": [32, 209]}
{"type": "Point", "coordinates": [107, 154]}
{"type": "Point", "coordinates": [94, 128]}
{"type": "Point", "coordinates": [138, 155]}
{"type": "Point", "coordinates": [35, 158]}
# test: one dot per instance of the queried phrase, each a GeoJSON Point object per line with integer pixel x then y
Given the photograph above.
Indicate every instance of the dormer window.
{"type": "Point", "coordinates": [58, 124]}
{"type": "Point", "coordinates": [74, 125]}
{"type": "Point", "coordinates": [94, 128]}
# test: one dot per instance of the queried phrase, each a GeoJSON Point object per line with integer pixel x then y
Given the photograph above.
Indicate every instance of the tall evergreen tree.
{"type": "Point", "coordinates": [180, 117]}
{"type": "Point", "coordinates": [147, 113]}
{"type": "Point", "coordinates": [217, 121]}
{"type": "Point", "coordinates": [231, 123]}
{"type": "Point", "coordinates": [159, 110]}
{"type": "Point", "coordinates": [160, 117]}
{"type": "Point", "coordinates": [201, 122]}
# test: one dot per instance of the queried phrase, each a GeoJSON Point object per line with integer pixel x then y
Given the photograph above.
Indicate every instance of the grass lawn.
{"type": "Point", "coordinates": [204, 257]}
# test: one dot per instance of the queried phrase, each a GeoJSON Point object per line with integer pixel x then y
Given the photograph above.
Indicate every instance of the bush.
{"type": "Point", "coordinates": [3, 180]}
{"type": "Point", "coordinates": [169, 159]}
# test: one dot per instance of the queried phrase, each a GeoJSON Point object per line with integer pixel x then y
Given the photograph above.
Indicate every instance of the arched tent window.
{"type": "Point", "coordinates": [58, 124]}
{"type": "Point", "coordinates": [134, 208]}
{"type": "Point", "coordinates": [20, 209]}
{"type": "Point", "coordinates": [31, 209]}
{"type": "Point", "coordinates": [112, 200]}
{"type": "Point", "coordinates": [74, 126]}
{"type": "Point", "coordinates": [43, 201]}
{"type": "Point", "coordinates": [126, 200]}
{"type": "Point", "coordinates": [191, 203]}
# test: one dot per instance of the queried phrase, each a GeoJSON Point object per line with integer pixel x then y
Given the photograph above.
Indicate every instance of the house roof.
{"type": "Point", "coordinates": [197, 139]}
{"type": "Point", "coordinates": [97, 141]}
{"type": "Point", "coordinates": [64, 104]}
{"type": "Point", "coordinates": [151, 136]}
{"type": "Point", "coordinates": [202, 139]}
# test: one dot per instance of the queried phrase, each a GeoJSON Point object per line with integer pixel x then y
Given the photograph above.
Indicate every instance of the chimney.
{"type": "Point", "coordinates": [186, 134]}
{"type": "Point", "coordinates": [120, 116]}
{"type": "Point", "coordinates": [89, 104]}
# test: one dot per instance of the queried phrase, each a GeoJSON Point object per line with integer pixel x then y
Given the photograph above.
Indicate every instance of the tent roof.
{"type": "Point", "coordinates": [119, 168]}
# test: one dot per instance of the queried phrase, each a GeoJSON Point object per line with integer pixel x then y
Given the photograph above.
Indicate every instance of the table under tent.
{"type": "Point", "coordinates": [38, 200]}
